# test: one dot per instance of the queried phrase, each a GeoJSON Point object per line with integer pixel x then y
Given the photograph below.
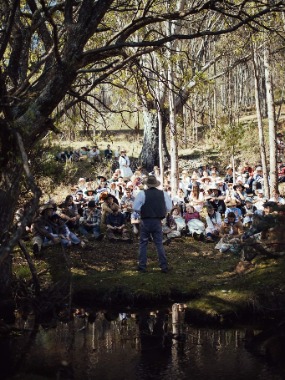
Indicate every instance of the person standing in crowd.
{"type": "Point", "coordinates": [124, 163]}
{"type": "Point", "coordinates": [153, 204]}
{"type": "Point", "coordinates": [108, 153]}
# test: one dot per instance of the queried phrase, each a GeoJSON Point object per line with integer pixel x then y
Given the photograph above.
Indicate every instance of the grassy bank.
{"type": "Point", "coordinates": [216, 287]}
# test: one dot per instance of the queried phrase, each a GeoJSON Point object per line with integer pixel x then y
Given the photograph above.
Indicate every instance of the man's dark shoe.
{"type": "Point", "coordinates": [141, 270]}
{"type": "Point", "coordinates": [164, 270]}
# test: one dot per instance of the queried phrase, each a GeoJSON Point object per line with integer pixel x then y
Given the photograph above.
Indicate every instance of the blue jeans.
{"type": "Point", "coordinates": [151, 228]}
{"type": "Point", "coordinates": [85, 230]}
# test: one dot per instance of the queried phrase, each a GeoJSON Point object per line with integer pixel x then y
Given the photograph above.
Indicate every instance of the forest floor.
{"type": "Point", "coordinates": [216, 287]}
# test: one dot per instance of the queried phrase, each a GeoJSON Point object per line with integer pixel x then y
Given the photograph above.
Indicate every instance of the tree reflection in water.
{"type": "Point", "coordinates": [131, 345]}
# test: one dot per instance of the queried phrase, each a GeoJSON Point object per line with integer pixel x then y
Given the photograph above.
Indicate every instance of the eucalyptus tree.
{"type": "Point", "coordinates": [55, 51]}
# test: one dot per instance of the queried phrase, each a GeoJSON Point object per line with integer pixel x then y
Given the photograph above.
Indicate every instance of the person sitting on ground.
{"type": "Point", "coordinates": [216, 199]}
{"type": "Point", "coordinates": [80, 201]}
{"type": "Point", "coordinates": [239, 194]}
{"type": "Point", "coordinates": [231, 226]}
{"type": "Point", "coordinates": [229, 175]}
{"type": "Point", "coordinates": [42, 230]}
{"type": "Point", "coordinates": [108, 153]}
{"type": "Point", "coordinates": [213, 224]}
{"type": "Point", "coordinates": [113, 189]}
{"type": "Point", "coordinates": [214, 171]}
{"type": "Point", "coordinates": [277, 198]}
{"type": "Point", "coordinates": [196, 197]}
{"type": "Point", "coordinates": [180, 200]}
{"type": "Point", "coordinates": [90, 222]}
{"type": "Point", "coordinates": [176, 223]}
{"type": "Point", "coordinates": [257, 180]}
{"type": "Point", "coordinates": [232, 207]}
{"type": "Point", "coordinates": [248, 212]}
{"type": "Point", "coordinates": [81, 185]}
{"type": "Point", "coordinates": [91, 195]}
{"type": "Point", "coordinates": [69, 212]}
{"type": "Point", "coordinates": [107, 204]}
{"type": "Point", "coordinates": [116, 225]}
{"type": "Point", "coordinates": [205, 183]}
{"type": "Point", "coordinates": [184, 182]}
{"type": "Point", "coordinates": [126, 204]}
{"type": "Point", "coordinates": [259, 201]}
{"type": "Point", "coordinates": [114, 177]}
{"type": "Point", "coordinates": [195, 226]}
{"type": "Point", "coordinates": [94, 155]}
{"type": "Point", "coordinates": [61, 230]}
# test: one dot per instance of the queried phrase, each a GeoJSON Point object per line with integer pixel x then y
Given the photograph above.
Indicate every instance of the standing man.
{"type": "Point", "coordinates": [153, 204]}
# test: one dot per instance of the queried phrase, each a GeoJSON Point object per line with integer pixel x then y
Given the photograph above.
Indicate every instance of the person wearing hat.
{"type": "Point", "coordinates": [90, 222]}
{"type": "Point", "coordinates": [42, 229]}
{"type": "Point", "coordinates": [213, 224]}
{"type": "Point", "coordinates": [249, 210]}
{"type": "Point", "coordinates": [239, 194]}
{"type": "Point", "coordinates": [153, 205]}
{"type": "Point", "coordinates": [116, 225]}
{"type": "Point", "coordinates": [231, 225]}
{"type": "Point", "coordinates": [90, 195]}
{"type": "Point", "coordinates": [215, 198]}
{"type": "Point", "coordinates": [69, 212]}
{"type": "Point", "coordinates": [80, 201]}
{"type": "Point", "coordinates": [259, 201]}
{"type": "Point", "coordinates": [256, 180]}
{"type": "Point", "coordinates": [231, 206]}
{"type": "Point", "coordinates": [124, 162]}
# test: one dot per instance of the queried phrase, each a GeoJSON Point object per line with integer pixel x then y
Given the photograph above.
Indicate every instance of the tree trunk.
{"type": "Point", "coordinates": [271, 119]}
{"type": "Point", "coordinates": [259, 121]}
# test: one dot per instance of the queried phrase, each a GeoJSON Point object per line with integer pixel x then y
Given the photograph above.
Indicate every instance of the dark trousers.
{"type": "Point", "coordinates": [151, 228]}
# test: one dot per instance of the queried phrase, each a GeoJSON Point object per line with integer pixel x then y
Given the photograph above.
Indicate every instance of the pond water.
{"type": "Point", "coordinates": [129, 346]}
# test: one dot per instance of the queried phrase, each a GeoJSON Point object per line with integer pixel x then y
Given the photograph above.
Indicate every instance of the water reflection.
{"type": "Point", "coordinates": [126, 346]}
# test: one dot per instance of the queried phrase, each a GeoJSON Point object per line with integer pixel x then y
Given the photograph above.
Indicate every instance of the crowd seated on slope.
{"type": "Point", "coordinates": [209, 204]}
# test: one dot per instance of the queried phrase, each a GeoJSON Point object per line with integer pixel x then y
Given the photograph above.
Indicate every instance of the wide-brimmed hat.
{"type": "Point", "coordinates": [47, 206]}
{"type": "Point", "coordinates": [102, 176]}
{"type": "Point", "coordinates": [203, 179]}
{"type": "Point", "coordinates": [123, 150]}
{"type": "Point", "coordinates": [238, 185]}
{"type": "Point", "coordinates": [151, 181]}
{"type": "Point", "coordinates": [271, 204]}
{"type": "Point", "coordinates": [89, 191]}
{"type": "Point", "coordinates": [249, 199]}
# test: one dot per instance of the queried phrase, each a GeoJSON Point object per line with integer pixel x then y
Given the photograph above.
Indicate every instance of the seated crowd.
{"type": "Point", "coordinates": [206, 206]}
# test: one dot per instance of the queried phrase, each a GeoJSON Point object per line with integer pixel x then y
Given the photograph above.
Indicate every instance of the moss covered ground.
{"type": "Point", "coordinates": [215, 286]}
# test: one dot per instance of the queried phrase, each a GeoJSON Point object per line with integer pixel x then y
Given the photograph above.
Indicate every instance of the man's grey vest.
{"type": "Point", "coordinates": [154, 206]}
